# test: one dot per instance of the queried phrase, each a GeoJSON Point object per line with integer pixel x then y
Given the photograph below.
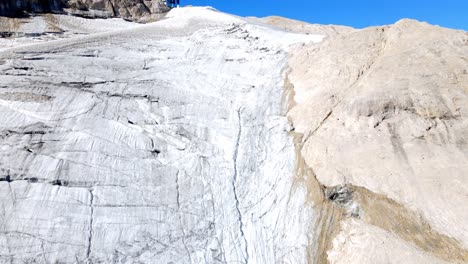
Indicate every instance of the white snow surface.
{"type": "Point", "coordinates": [159, 143]}
{"type": "Point", "coordinates": [45, 28]}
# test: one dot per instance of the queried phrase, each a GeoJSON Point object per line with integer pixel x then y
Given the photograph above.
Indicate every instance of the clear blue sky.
{"type": "Point", "coordinates": [355, 13]}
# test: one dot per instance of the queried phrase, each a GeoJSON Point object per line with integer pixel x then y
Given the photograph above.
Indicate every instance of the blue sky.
{"type": "Point", "coordinates": [355, 13]}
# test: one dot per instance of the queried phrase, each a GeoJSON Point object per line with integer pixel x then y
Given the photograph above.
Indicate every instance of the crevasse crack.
{"type": "Point", "coordinates": [90, 229]}
{"type": "Point", "coordinates": [234, 180]}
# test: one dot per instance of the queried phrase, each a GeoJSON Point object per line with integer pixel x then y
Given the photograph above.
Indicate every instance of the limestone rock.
{"type": "Point", "coordinates": [303, 27]}
{"type": "Point", "coordinates": [128, 9]}
{"type": "Point", "coordinates": [386, 108]}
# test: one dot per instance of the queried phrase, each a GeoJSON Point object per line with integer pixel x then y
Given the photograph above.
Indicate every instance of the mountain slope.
{"type": "Point", "coordinates": [385, 108]}
{"type": "Point", "coordinates": [161, 142]}
{"type": "Point", "coordinates": [210, 138]}
{"type": "Point", "coordinates": [128, 9]}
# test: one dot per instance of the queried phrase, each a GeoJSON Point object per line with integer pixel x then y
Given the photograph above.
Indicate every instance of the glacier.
{"type": "Point", "coordinates": [164, 141]}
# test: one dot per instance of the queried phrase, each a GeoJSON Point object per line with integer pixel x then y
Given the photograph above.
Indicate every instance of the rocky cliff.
{"type": "Point", "coordinates": [128, 9]}
{"type": "Point", "coordinates": [383, 114]}
{"type": "Point", "coordinates": [209, 138]}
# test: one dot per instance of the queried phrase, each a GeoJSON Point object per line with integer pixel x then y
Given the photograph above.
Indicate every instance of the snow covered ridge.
{"type": "Point", "coordinates": [211, 138]}
{"type": "Point", "coordinates": [384, 114]}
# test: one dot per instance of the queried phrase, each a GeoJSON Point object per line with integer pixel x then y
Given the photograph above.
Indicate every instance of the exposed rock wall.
{"type": "Point", "coordinates": [303, 27]}
{"type": "Point", "coordinates": [384, 115]}
{"type": "Point", "coordinates": [128, 9]}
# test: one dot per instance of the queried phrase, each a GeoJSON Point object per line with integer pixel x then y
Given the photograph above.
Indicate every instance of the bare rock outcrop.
{"type": "Point", "coordinates": [210, 138]}
{"type": "Point", "coordinates": [128, 9]}
{"type": "Point", "coordinates": [384, 110]}
{"type": "Point", "coordinates": [159, 143]}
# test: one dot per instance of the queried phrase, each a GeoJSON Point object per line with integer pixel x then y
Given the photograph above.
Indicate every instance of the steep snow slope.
{"type": "Point", "coordinates": [170, 142]}
{"type": "Point", "coordinates": [163, 143]}
{"type": "Point", "coordinates": [302, 27]}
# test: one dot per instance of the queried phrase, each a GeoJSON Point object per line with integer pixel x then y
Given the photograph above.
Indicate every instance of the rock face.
{"type": "Point", "coordinates": [128, 9]}
{"type": "Point", "coordinates": [15, 7]}
{"type": "Point", "coordinates": [208, 138]}
{"type": "Point", "coordinates": [386, 109]}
